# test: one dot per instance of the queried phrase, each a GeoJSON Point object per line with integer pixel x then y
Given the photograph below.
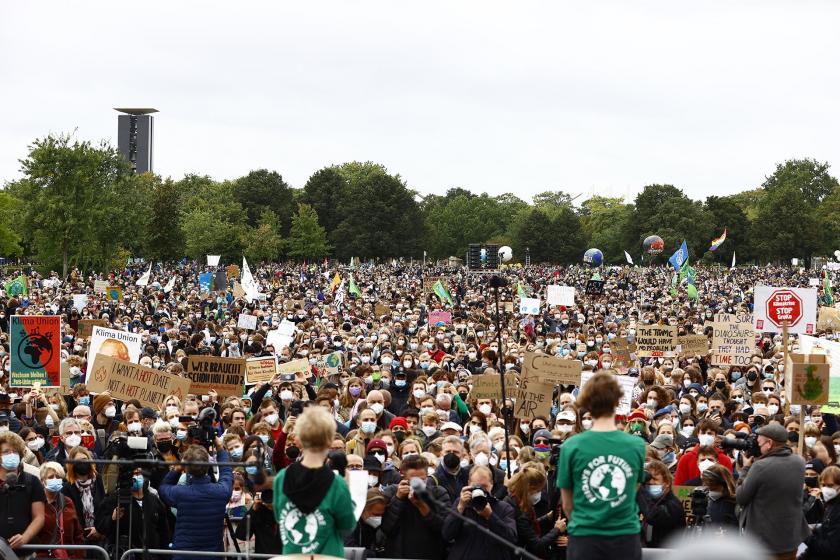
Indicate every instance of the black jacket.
{"type": "Point", "coordinates": [824, 542]}
{"type": "Point", "coordinates": [259, 520]}
{"type": "Point", "coordinates": [722, 514]}
{"type": "Point", "coordinates": [409, 534]}
{"type": "Point", "coordinates": [468, 542]}
{"type": "Point", "coordinates": [526, 533]}
{"type": "Point", "coordinates": [97, 491]}
{"type": "Point", "coordinates": [158, 533]}
{"type": "Point", "coordinates": [662, 517]}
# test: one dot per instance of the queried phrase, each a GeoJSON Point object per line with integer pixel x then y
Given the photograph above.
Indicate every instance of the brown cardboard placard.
{"type": "Point", "coordinates": [225, 375]}
{"type": "Point", "coordinates": [126, 381]}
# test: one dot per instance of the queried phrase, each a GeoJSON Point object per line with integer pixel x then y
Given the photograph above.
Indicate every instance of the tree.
{"type": "Point", "coordinates": [452, 223]}
{"type": "Point", "coordinates": [606, 224]}
{"type": "Point", "coordinates": [263, 189]}
{"type": "Point", "coordinates": [827, 213]}
{"type": "Point", "coordinates": [567, 230]}
{"type": "Point", "coordinates": [533, 230]}
{"type": "Point", "coordinates": [551, 202]}
{"type": "Point", "coordinates": [212, 221]}
{"type": "Point", "coordinates": [10, 241]}
{"type": "Point", "coordinates": [808, 176]}
{"type": "Point", "coordinates": [263, 243]}
{"type": "Point", "coordinates": [325, 191]}
{"type": "Point", "coordinates": [73, 191]}
{"type": "Point", "coordinates": [726, 214]}
{"type": "Point", "coordinates": [307, 239]}
{"type": "Point", "coordinates": [164, 238]}
{"type": "Point", "coordinates": [664, 210]}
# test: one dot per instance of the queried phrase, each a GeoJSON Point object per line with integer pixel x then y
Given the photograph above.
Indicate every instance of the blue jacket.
{"type": "Point", "coordinates": [201, 508]}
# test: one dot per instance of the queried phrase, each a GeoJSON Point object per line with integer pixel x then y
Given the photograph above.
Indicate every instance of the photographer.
{"type": "Point", "coordinates": [201, 502]}
{"type": "Point", "coordinates": [770, 493]}
{"type": "Point", "coordinates": [477, 502]}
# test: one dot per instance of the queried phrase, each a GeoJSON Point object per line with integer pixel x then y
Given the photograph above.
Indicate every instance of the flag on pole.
{"type": "Point", "coordinates": [354, 289]}
{"type": "Point", "coordinates": [691, 290]}
{"type": "Point", "coordinates": [520, 291]}
{"type": "Point", "coordinates": [718, 241]}
{"type": "Point", "coordinates": [628, 257]}
{"type": "Point", "coordinates": [679, 257]}
{"type": "Point", "coordinates": [441, 292]}
{"type": "Point", "coordinates": [338, 300]}
{"type": "Point", "coordinates": [733, 260]}
{"type": "Point", "coordinates": [144, 280]}
{"type": "Point", "coordinates": [829, 294]}
{"type": "Point", "coordinates": [335, 282]}
{"type": "Point", "coordinates": [248, 284]}
{"type": "Point", "coordinates": [169, 285]}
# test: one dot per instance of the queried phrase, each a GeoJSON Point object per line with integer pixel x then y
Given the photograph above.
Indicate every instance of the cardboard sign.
{"type": "Point", "coordinates": [683, 494]}
{"type": "Point", "coordinates": [205, 282]}
{"type": "Point", "coordinates": [733, 340]}
{"type": "Point", "coordinates": [126, 381]}
{"type": "Point", "coordinates": [489, 386]}
{"type": "Point", "coordinates": [621, 351]}
{"type": "Point", "coordinates": [300, 368]}
{"type": "Point", "coordinates": [508, 307]}
{"type": "Point", "coordinates": [807, 379]}
{"type": "Point", "coordinates": [35, 348]}
{"type": "Point", "coordinates": [86, 326]}
{"type": "Point", "coordinates": [552, 369]}
{"type": "Point", "coordinates": [829, 319]}
{"type": "Point", "coordinates": [114, 293]}
{"type": "Point", "coordinates": [533, 398]}
{"type": "Point", "coordinates": [529, 306]}
{"type": "Point", "coordinates": [814, 282]}
{"type": "Point", "coordinates": [774, 306]}
{"type": "Point", "coordinates": [238, 292]}
{"type": "Point", "coordinates": [260, 370]}
{"type": "Point", "coordinates": [381, 309]}
{"type": "Point", "coordinates": [429, 282]}
{"type": "Point", "coordinates": [80, 301]}
{"type": "Point", "coordinates": [560, 295]}
{"type": "Point", "coordinates": [627, 385]}
{"type": "Point", "coordinates": [330, 364]}
{"type": "Point", "coordinates": [121, 345]}
{"type": "Point", "coordinates": [440, 317]}
{"type": "Point", "coordinates": [594, 287]}
{"type": "Point", "coordinates": [247, 321]}
{"type": "Point", "coordinates": [100, 286]}
{"type": "Point", "coordinates": [225, 375]}
{"type": "Point", "coordinates": [655, 340]}
{"type": "Point", "coordinates": [812, 345]}
{"type": "Point", "coordinates": [693, 345]}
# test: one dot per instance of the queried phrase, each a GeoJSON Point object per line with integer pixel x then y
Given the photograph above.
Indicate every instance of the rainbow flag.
{"type": "Point", "coordinates": [718, 241]}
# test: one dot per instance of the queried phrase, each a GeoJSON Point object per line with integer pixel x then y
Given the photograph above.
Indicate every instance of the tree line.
{"type": "Point", "coordinates": [78, 204]}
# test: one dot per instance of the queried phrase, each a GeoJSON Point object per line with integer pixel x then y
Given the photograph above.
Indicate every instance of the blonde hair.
{"type": "Point", "coordinates": [15, 442]}
{"type": "Point", "coordinates": [315, 428]}
{"type": "Point", "coordinates": [830, 474]}
{"type": "Point", "coordinates": [73, 454]}
{"type": "Point", "coordinates": [52, 466]}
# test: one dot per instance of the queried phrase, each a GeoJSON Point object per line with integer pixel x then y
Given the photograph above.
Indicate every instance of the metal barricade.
{"type": "Point", "coordinates": [98, 550]}
{"type": "Point", "coordinates": [173, 552]}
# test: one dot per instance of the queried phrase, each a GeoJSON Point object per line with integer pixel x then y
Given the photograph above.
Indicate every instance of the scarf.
{"type": "Point", "coordinates": [86, 488]}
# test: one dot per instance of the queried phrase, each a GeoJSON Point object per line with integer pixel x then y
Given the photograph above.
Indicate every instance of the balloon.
{"type": "Point", "coordinates": [505, 253]}
{"type": "Point", "coordinates": [593, 257]}
{"type": "Point", "coordinates": [653, 245]}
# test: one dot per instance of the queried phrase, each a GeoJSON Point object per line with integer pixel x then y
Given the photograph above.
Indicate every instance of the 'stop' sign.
{"type": "Point", "coordinates": [784, 306]}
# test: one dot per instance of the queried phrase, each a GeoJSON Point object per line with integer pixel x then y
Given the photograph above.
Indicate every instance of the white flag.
{"type": "Point", "coordinates": [628, 257]}
{"type": "Point", "coordinates": [733, 259]}
{"type": "Point", "coordinates": [252, 291]}
{"type": "Point", "coordinates": [213, 260]}
{"type": "Point", "coordinates": [144, 280]}
{"type": "Point", "coordinates": [339, 295]}
{"type": "Point", "coordinates": [169, 285]}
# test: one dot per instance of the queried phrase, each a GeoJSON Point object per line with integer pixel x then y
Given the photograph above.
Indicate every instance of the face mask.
{"type": "Point", "coordinates": [475, 429]}
{"type": "Point", "coordinates": [368, 427]}
{"type": "Point", "coordinates": [35, 444]}
{"type": "Point", "coordinates": [686, 431]}
{"type": "Point", "coordinates": [587, 424]}
{"type": "Point", "coordinates": [137, 482]}
{"type": "Point", "coordinates": [54, 485]}
{"type": "Point", "coordinates": [481, 459]}
{"type": "Point", "coordinates": [11, 461]}
{"type": "Point", "coordinates": [386, 361]}
{"type": "Point", "coordinates": [355, 391]}
{"type": "Point", "coordinates": [705, 464]}
{"type": "Point", "coordinates": [525, 428]}
{"type": "Point", "coordinates": [110, 412]}
{"type": "Point", "coordinates": [286, 395]}
{"type": "Point", "coordinates": [134, 427]}
{"type": "Point", "coordinates": [686, 383]}
{"type": "Point", "coordinates": [465, 463]}
{"type": "Point", "coordinates": [472, 355]}
{"type": "Point", "coordinates": [565, 428]}
{"type": "Point", "coordinates": [485, 409]}
{"type": "Point", "coordinates": [592, 363]}
{"type": "Point", "coordinates": [84, 400]}
{"type": "Point", "coordinates": [702, 407]}
{"type": "Point", "coordinates": [372, 481]}
{"type": "Point", "coordinates": [272, 419]}
{"type": "Point", "coordinates": [828, 493]}
{"type": "Point", "coordinates": [773, 408]}
{"type": "Point", "coordinates": [535, 498]}
{"type": "Point", "coordinates": [651, 403]}
{"type": "Point", "coordinates": [72, 440]}
{"type": "Point", "coordinates": [49, 422]}
{"type": "Point", "coordinates": [418, 393]}
{"type": "Point", "coordinates": [706, 439]}
{"type": "Point", "coordinates": [655, 490]}
{"type": "Point", "coordinates": [810, 441]}
{"type": "Point", "coordinates": [685, 408]}
{"type": "Point", "coordinates": [377, 408]}
{"type": "Point", "coordinates": [181, 435]}
{"type": "Point", "coordinates": [374, 521]}
{"type": "Point", "coordinates": [236, 452]}
{"type": "Point", "coordinates": [252, 470]}
{"type": "Point", "coordinates": [715, 494]}
{"type": "Point", "coordinates": [428, 430]}
{"type": "Point", "coordinates": [542, 451]}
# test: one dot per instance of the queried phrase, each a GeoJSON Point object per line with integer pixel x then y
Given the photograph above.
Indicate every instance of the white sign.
{"type": "Point", "coordinates": [247, 322]}
{"type": "Point", "coordinates": [121, 345]}
{"type": "Point", "coordinates": [529, 306]}
{"type": "Point", "coordinates": [213, 260]}
{"type": "Point", "coordinates": [80, 301]}
{"type": "Point", "coordinates": [358, 483]}
{"type": "Point", "coordinates": [100, 286]}
{"type": "Point", "coordinates": [627, 384]}
{"type": "Point", "coordinates": [560, 295]}
{"type": "Point", "coordinates": [796, 306]}
{"type": "Point", "coordinates": [814, 282]}
{"type": "Point", "coordinates": [286, 328]}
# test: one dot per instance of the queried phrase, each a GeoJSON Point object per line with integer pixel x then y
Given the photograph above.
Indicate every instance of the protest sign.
{"type": "Point", "coordinates": [508, 307]}
{"type": "Point", "coordinates": [489, 385]}
{"type": "Point", "coordinates": [533, 398]}
{"type": "Point", "coordinates": [260, 370]}
{"type": "Point", "coordinates": [814, 282]}
{"type": "Point", "coordinates": [811, 345]}
{"type": "Point", "coordinates": [693, 345]}
{"type": "Point", "coordinates": [560, 295]}
{"type": "Point", "coordinates": [86, 326]}
{"type": "Point", "coordinates": [114, 293]}
{"type": "Point", "coordinates": [121, 345]}
{"type": "Point", "coordinates": [213, 260]}
{"type": "Point", "coordinates": [205, 282]}
{"type": "Point", "coordinates": [430, 281]}
{"type": "Point", "coordinates": [655, 340]}
{"type": "Point", "coordinates": [775, 306]}
{"type": "Point", "coordinates": [126, 381]}
{"type": "Point", "coordinates": [100, 286]}
{"type": "Point", "coordinates": [247, 321]}
{"type": "Point", "coordinates": [621, 351]}
{"type": "Point", "coordinates": [225, 375]}
{"type": "Point", "coordinates": [381, 309]}
{"type": "Point", "coordinates": [733, 340]}
{"type": "Point", "coordinates": [300, 368]}
{"type": "Point", "coordinates": [238, 292]}
{"type": "Point", "coordinates": [549, 368]}
{"type": "Point", "coordinates": [594, 287]}
{"type": "Point", "coordinates": [35, 348]}
{"type": "Point", "coordinates": [683, 494]}
{"type": "Point", "coordinates": [627, 384]}
{"type": "Point", "coordinates": [828, 319]}
{"type": "Point", "coordinates": [807, 378]}
{"type": "Point", "coordinates": [80, 301]}
{"type": "Point", "coordinates": [529, 306]}
{"type": "Point", "coordinates": [330, 364]}
{"type": "Point", "coordinates": [440, 317]}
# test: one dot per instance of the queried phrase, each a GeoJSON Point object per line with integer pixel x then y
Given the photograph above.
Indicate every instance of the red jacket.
{"type": "Point", "coordinates": [687, 466]}
{"type": "Point", "coordinates": [51, 534]}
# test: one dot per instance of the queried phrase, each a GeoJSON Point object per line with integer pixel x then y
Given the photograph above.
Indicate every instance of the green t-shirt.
{"type": "Point", "coordinates": [603, 470]}
{"type": "Point", "coordinates": [320, 532]}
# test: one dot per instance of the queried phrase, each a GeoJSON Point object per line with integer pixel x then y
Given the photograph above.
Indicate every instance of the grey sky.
{"type": "Point", "coordinates": [599, 96]}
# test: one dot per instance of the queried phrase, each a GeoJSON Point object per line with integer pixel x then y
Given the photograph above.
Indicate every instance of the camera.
{"type": "Point", "coordinates": [287, 377]}
{"type": "Point", "coordinates": [479, 498]}
{"type": "Point", "coordinates": [555, 444]}
{"type": "Point", "coordinates": [127, 448]}
{"type": "Point", "coordinates": [204, 433]}
{"type": "Point", "coordinates": [699, 504]}
{"type": "Point", "coordinates": [296, 408]}
{"type": "Point", "coordinates": [748, 443]}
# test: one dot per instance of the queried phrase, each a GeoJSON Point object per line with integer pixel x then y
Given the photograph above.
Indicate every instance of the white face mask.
{"type": "Point", "coordinates": [373, 481]}
{"type": "Point", "coordinates": [715, 494]}
{"type": "Point", "coordinates": [377, 408]}
{"type": "Point", "coordinates": [685, 408]}
{"type": "Point", "coordinates": [134, 426]}
{"type": "Point", "coordinates": [535, 498]}
{"type": "Point", "coordinates": [565, 428]}
{"type": "Point", "coordinates": [418, 393]}
{"type": "Point", "coordinates": [686, 431]}
{"type": "Point", "coordinates": [35, 444]}
{"type": "Point", "coordinates": [475, 429]}
{"type": "Point", "coordinates": [828, 493]}
{"type": "Point", "coordinates": [72, 440]}
{"type": "Point", "coordinates": [705, 464]}
{"type": "Point", "coordinates": [485, 409]}
{"type": "Point", "coordinates": [481, 459]}
{"type": "Point", "coordinates": [706, 439]}
{"type": "Point", "coordinates": [810, 441]}
{"type": "Point", "coordinates": [110, 412]}
{"type": "Point", "coordinates": [587, 424]}
{"type": "Point", "coordinates": [374, 520]}
{"type": "Point", "coordinates": [272, 419]}
{"type": "Point", "coordinates": [428, 430]}
{"type": "Point", "coordinates": [773, 409]}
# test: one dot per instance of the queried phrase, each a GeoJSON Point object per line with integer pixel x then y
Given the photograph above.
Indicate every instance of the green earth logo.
{"type": "Point", "coordinates": [607, 482]}
{"type": "Point", "coordinates": [35, 349]}
{"type": "Point", "coordinates": [813, 387]}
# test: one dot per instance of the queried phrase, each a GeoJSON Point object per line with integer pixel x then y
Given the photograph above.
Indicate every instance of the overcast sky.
{"type": "Point", "coordinates": [599, 96]}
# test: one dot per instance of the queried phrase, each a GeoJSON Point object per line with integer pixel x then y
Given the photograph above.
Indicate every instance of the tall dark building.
{"type": "Point", "coordinates": [135, 135]}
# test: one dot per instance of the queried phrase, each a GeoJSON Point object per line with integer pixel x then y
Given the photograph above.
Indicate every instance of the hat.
{"type": "Point", "coordinates": [740, 426]}
{"type": "Point", "coordinates": [663, 411]}
{"type": "Point", "coordinates": [100, 401]}
{"type": "Point", "coordinates": [147, 413]}
{"type": "Point", "coordinates": [637, 414]}
{"type": "Point", "coordinates": [775, 432]}
{"type": "Point", "coordinates": [377, 444]}
{"type": "Point", "coordinates": [633, 372]}
{"type": "Point", "coordinates": [815, 465]}
{"type": "Point", "coordinates": [4, 398]}
{"type": "Point", "coordinates": [372, 464]}
{"type": "Point", "coordinates": [450, 426]}
{"type": "Point", "coordinates": [663, 441]}
{"type": "Point", "coordinates": [398, 421]}
{"type": "Point", "coordinates": [542, 434]}
{"type": "Point", "coordinates": [567, 415]}
{"type": "Point", "coordinates": [4, 415]}
{"type": "Point", "coordinates": [696, 387]}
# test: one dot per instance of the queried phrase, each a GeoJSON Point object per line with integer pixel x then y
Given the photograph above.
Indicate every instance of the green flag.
{"type": "Point", "coordinates": [829, 294]}
{"type": "Point", "coordinates": [674, 285]}
{"type": "Point", "coordinates": [691, 290]}
{"type": "Point", "coordinates": [354, 289]}
{"type": "Point", "coordinates": [442, 293]}
{"type": "Point", "coordinates": [17, 286]}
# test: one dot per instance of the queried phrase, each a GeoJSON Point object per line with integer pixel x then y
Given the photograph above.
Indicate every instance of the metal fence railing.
{"type": "Point", "coordinates": [96, 550]}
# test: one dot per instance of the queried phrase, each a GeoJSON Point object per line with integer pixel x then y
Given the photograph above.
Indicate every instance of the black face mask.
{"type": "Point", "coordinates": [720, 384]}
{"type": "Point", "coordinates": [811, 481]}
{"type": "Point", "coordinates": [81, 468]}
{"type": "Point", "coordinates": [752, 376]}
{"type": "Point", "coordinates": [292, 452]}
{"type": "Point", "coordinates": [793, 437]}
{"type": "Point", "coordinates": [451, 461]}
{"type": "Point", "coordinates": [400, 436]}
{"type": "Point", "coordinates": [164, 446]}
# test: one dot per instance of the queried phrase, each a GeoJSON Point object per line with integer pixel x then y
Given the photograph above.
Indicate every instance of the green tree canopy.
{"type": "Point", "coordinates": [307, 239]}
{"type": "Point", "coordinates": [265, 190]}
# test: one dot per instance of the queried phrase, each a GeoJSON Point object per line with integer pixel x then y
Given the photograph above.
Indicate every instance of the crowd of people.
{"type": "Point", "coordinates": [703, 450]}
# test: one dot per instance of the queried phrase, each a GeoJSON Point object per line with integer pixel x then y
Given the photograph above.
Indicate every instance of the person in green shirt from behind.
{"type": "Point", "coordinates": [598, 473]}
{"type": "Point", "coordinates": [312, 504]}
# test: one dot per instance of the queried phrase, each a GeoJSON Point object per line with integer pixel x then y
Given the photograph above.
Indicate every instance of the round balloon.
{"type": "Point", "coordinates": [593, 257]}
{"type": "Point", "coordinates": [653, 245]}
{"type": "Point", "coordinates": [505, 253]}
